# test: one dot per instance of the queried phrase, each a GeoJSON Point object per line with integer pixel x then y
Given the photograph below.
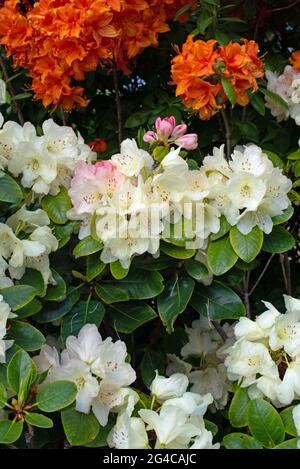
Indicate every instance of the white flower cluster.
{"type": "Point", "coordinates": [44, 162]}
{"type": "Point", "coordinates": [287, 86]}
{"type": "Point", "coordinates": [97, 367]}
{"type": "Point", "coordinates": [5, 314]}
{"type": "Point", "coordinates": [177, 423]}
{"type": "Point", "coordinates": [31, 252]}
{"type": "Point", "coordinates": [202, 363]}
{"type": "Point", "coordinates": [131, 202]}
{"type": "Point", "coordinates": [266, 355]}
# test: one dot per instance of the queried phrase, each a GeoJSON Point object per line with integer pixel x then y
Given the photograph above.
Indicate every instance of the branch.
{"type": "Point", "coordinates": [261, 275]}
{"type": "Point", "coordinates": [227, 132]}
{"type": "Point", "coordinates": [246, 293]}
{"type": "Point", "coordinates": [63, 116]}
{"type": "Point", "coordinates": [15, 104]}
{"type": "Point", "coordinates": [118, 103]}
{"type": "Point", "coordinates": [287, 7]}
{"type": "Point", "coordinates": [220, 330]}
{"type": "Point", "coordinates": [286, 272]}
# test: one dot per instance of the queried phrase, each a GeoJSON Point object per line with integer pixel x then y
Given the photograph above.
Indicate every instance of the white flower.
{"type": "Point", "coordinates": [203, 339]}
{"type": "Point", "coordinates": [211, 380]}
{"type": "Point", "coordinates": [296, 418]}
{"type": "Point", "coordinates": [246, 191]}
{"type": "Point", "coordinates": [79, 373]}
{"type": "Point", "coordinates": [112, 397]}
{"type": "Point", "coordinates": [87, 346]}
{"type": "Point", "coordinates": [131, 160]}
{"type": "Point", "coordinates": [286, 333]}
{"type": "Point", "coordinates": [176, 365]}
{"type": "Point", "coordinates": [167, 388]}
{"type": "Point", "coordinates": [2, 92]}
{"type": "Point", "coordinates": [47, 359]}
{"type": "Point", "coordinates": [249, 159]}
{"type": "Point", "coordinates": [11, 136]}
{"type": "Point", "coordinates": [171, 427]}
{"type": "Point", "coordinates": [27, 219]}
{"type": "Point", "coordinates": [5, 314]}
{"type": "Point", "coordinates": [216, 162]}
{"type": "Point", "coordinates": [289, 388]}
{"type": "Point", "coordinates": [128, 433]}
{"type": "Point", "coordinates": [247, 359]}
{"type": "Point", "coordinates": [260, 328]}
{"type": "Point", "coordinates": [191, 403]}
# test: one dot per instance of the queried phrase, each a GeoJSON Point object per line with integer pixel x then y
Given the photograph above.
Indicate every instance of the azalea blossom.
{"type": "Point", "coordinates": [167, 132]}
{"type": "Point", "coordinates": [5, 314]}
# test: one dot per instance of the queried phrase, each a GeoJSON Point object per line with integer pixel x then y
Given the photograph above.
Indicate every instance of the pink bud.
{"type": "Point", "coordinates": [150, 137]}
{"type": "Point", "coordinates": [103, 164]}
{"type": "Point", "coordinates": [188, 141]}
{"type": "Point", "coordinates": [179, 131]}
{"type": "Point", "coordinates": [165, 126]}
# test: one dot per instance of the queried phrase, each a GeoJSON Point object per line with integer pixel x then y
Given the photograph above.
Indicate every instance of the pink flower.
{"type": "Point", "coordinates": [165, 126]}
{"type": "Point", "coordinates": [188, 141]}
{"type": "Point", "coordinates": [150, 137]}
{"type": "Point", "coordinates": [93, 185]}
{"type": "Point", "coordinates": [179, 131]}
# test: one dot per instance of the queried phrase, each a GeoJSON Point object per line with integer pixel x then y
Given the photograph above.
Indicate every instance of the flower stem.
{"type": "Point", "coordinates": [10, 87]}
{"type": "Point", "coordinates": [227, 132]}
{"type": "Point", "coordinates": [118, 103]}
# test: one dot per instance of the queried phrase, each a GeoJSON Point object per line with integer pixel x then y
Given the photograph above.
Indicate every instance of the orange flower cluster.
{"type": "Point", "coordinates": [58, 41]}
{"type": "Point", "coordinates": [295, 60]}
{"type": "Point", "coordinates": [198, 70]}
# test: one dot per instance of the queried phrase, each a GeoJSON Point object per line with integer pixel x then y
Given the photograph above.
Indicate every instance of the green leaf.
{"type": "Point", "coordinates": [184, 9]}
{"type": "Point", "coordinates": [217, 302]}
{"type": "Point", "coordinates": [10, 431]}
{"type": "Point", "coordinates": [85, 312]}
{"type": "Point", "coordinates": [126, 317]}
{"type": "Point", "coordinates": [229, 90]}
{"type": "Point", "coordinates": [196, 269]}
{"type": "Point", "coordinates": [265, 423]}
{"type": "Point", "coordinates": [117, 271]}
{"type": "Point", "coordinates": [288, 421]}
{"type": "Point", "coordinates": [3, 396]}
{"type": "Point", "coordinates": [238, 408]}
{"type": "Point", "coordinates": [248, 246]}
{"type": "Point", "coordinates": [137, 119]}
{"type": "Point", "coordinates": [58, 291]}
{"type": "Point", "coordinates": [276, 98]}
{"type": "Point", "coordinates": [224, 228]}
{"type": "Point", "coordinates": [56, 396]}
{"type": "Point", "coordinates": [26, 336]}
{"type": "Point", "coordinates": [240, 441]}
{"type": "Point", "coordinates": [152, 360]}
{"type": "Point", "coordinates": [278, 241]}
{"type": "Point", "coordinates": [285, 216]}
{"type": "Point", "coordinates": [94, 267]}
{"type": "Point", "coordinates": [21, 372]}
{"type": "Point", "coordinates": [87, 246]}
{"type": "Point", "coordinates": [141, 284]}
{"type": "Point", "coordinates": [276, 160]}
{"type": "Point", "coordinates": [211, 427]}
{"type": "Point", "coordinates": [176, 251]}
{"type": "Point", "coordinates": [220, 256]}
{"type": "Point", "coordinates": [111, 294]}
{"type": "Point", "coordinates": [295, 155]}
{"type": "Point", "coordinates": [56, 311]}
{"type": "Point", "coordinates": [18, 296]}
{"type": "Point", "coordinates": [258, 103]}
{"type": "Point", "coordinates": [10, 190]}
{"type": "Point", "coordinates": [38, 420]}
{"type": "Point", "coordinates": [35, 279]}
{"type": "Point", "coordinates": [57, 206]}
{"type": "Point", "coordinates": [174, 299]}
{"type": "Point", "coordinates": [288, 444]}
{"type": "Point", "coordinates": [80, 429]}
{"type": "Point", "coordinates": [30, 309]}
{"type": "Point", "coordinates": [21, 96]}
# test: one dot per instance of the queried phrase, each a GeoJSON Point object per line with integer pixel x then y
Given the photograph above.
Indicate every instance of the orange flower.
{"type": "Point", "coordinates": [197, 72]}
{"type": "Point", "coordinates": [58, 41]}
{"type": "Point", "coordinates": [295, 60]}
{"type": "Point", "coordinates": [99, 145]}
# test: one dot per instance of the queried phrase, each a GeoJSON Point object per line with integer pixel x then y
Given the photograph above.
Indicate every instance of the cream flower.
{"type": "Point", "coordinates": [167, 388]}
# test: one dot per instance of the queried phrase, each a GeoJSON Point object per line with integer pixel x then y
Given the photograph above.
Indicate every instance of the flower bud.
{"type": "Point", "coordinates": [150, 137]}
{"type": "Point", "coordinates": [188, 141]}
{"type": "Point", "coordinates": [165, 126]}
{"type": "Point", "coordinates": [179, 131]}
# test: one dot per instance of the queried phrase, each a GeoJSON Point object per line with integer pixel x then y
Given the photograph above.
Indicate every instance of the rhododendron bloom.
{"type": "Point", "coordinates": [5, 314]}
{"type": "Point", "coordinates": [167, 388]}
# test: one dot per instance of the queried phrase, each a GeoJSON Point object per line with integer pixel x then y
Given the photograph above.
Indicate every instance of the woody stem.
{"type": "Point", "coordinates": [15, 104]}
{"type": "Point", "coordinates": [227, 132]}
{"type": "Point", "coordinates": [118, 103]}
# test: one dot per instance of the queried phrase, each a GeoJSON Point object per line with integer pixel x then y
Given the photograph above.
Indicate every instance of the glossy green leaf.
{"type": "Point", "coordinates": [217, 302]}
{"type": "Point", "coordinates": [196, 269]}
{"type": "Point", "coordinates": [52, 312]}
{"type": "Point", "coordinates": [285, 216]}
{"type": "Point", "coordinates": [3, 396]}
{"type": "Point", "coordinates": [240, 441]}
{"type": "Point", "coordinates": [56, 396]}
{"type": "Point", "coordinates": [110, 293]}
{"type": "Point", "coordinates": [229, 90]}
{"type": "Point", "coordinates": [152, 360]}
{"type": "Point", "coordinates": [126, 317]}
{"type": "Point", "coordinates": [238, 408]}
{"type": "Point", "coordinates": [58, 291]}
{"type": "Point", "coordinates": [265, 423]}
{"type": "Point", "coordinates": [57, 206]}
{"type": "Point", "coordinates": [174, 299]}
{"type": "Point", "coordinates": [87, 246]}
{"type": "Point", "coordinates": [38, 420]}
{"type": "Point", "coordinates": [79, 428]}
{"type": "Point", "coordinates": [18, 296]}
{"type": "Point", "coordinates": [26, 336]}
{"type": "Point", "coordinates": [248, 246]}
{"type": "Point", "coordinates": [10, 431]}
{"type": "Point", "coordinates": [34, 279]}
{"type": "Point", "coordinates": [278, 241]}
{"type": "Point", "coordinates": [85, 312]}
{"type": "Point", "coordinates": [117, 271]}
{"type": "Point", "coordinates": [10, 190]}
{"type": "Point", "coordinates": [94, 266]}
{"type": "Point", "coordinates": [140, 284]}
{"type": "Point", "coordinates": [176, 251]}
{"type": "Point", "coordinates": [288, 421]}
{"type": "Point", "coordinates": [220, 256]}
